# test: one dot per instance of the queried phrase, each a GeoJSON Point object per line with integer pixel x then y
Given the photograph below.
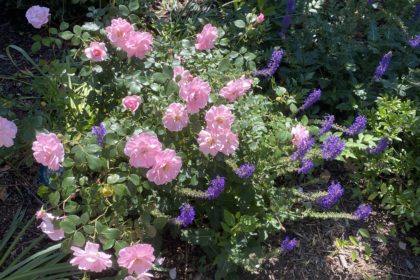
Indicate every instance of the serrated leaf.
{"type": "Point", "coordinates": [67, 226]}
{"type": "Point", "coordinates": [364, 232]}
{"type": "Point", "coordinates": [133, 5]}
{"type": "Point", "coordinates": [66, 35]}
{"type": "Point", "coordinates": [79, 239]}
{"type": "Point", "coordinates": [111, 233]}
{"type": "Point", "coordinates": [229, 218]}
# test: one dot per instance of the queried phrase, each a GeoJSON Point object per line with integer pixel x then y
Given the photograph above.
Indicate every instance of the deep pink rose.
{"type": "Point", "coordinates": [96, 51]}
{"type": "Point", "coordinates": [207, 38]}
{"type": "Point", "coordinates": [132, 102]}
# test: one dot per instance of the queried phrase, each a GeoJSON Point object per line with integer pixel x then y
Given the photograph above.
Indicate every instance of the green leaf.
{"type": "Point", "coordinates": [364, 232]}
{"type": "Point", "coordinates": [108, 244]}
{"type": "Point", "coordinates": [89, 229]}
{"type": "Point", "coordinates": [133, 5]}
{"type": "Point", "coordinates": [36, 47]}
{"type": "Point", "coordinates": [111, 139]}
{"type": "Point", "coordinates": [353, 240]}
{"type": "Point", "coordinates": [71, 207]}
{"type": "Point", "coordinates": [124, 10]}
{"type": "Point", "coordinates": [112, 179]}
{"type": "Point", "coordinates": [64, 25]}
{"type": "Point", "coordinates": [92, 148]}
{"type": "Point", "coordinates": [54, 198]}
{"type": "Point", "coordinates": [78, 239]}
{"type": "Point", "coordinates": [135, 179]}
{"type": "Point", "coordinates": [66, 35]}
{"type": "Point", "coordinates": [111, 233]}
{"type": "Point", "coordinates": [293, 108]}
{"type": "Point", "coordinates": [77, 29]}
{"type": "Point", "coordinates": [202, 237]}
{"type": "Point", "coordinates": [353, 256]}
{"type": "Point", "coordinates": [160, 78]}
{"type": "Point", "coordinates": [239, 23]}
{"type": "Point", "coordinates": [95, 163]}
{"type": "Point", "coordinates": [229, 218]}
{"type": "Point", "coordinates": [67, 226]}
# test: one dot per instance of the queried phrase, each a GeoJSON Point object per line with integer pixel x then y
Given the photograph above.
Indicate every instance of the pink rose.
{"type": "Point", "coordinates": [138, 44]}
{"type": "Point", "coordinates": [132, 102]}
{"type": "Point", "coordinates": [207, 37]}
{"type": "Point", "coordinates": [137, 258]}
{"type": "Point", "coordinates": [196, 94]}
{"type": "Point", "coordinates": [185, 75]}
{"type": "Point", "coordinates": [96, 51]}
{"type": "Point", "coordinates": [37, 16]}
{"type": "Point", "coordinates": [119, 31]}
{"type": "Point", "coordinates": [219, 117]}
{"type": "Point", "coordinates": [90, 258]}
{"type": "Point", "coordinates": [47, 225]}
{"type": "Point", "coordinates": [176, 117]}
{"type": "Point", "coordinates": [142, 150]}
{"type": "Point", "coordinates": [229, 141]}
{"type": "Point", "coordinates": [209, 143]}
{"type": "Point", "coordinates": [235, 89]}
{"type": "Point", "coordinates": [166, 167]}
{"type": "Point", "coordinates": [260, 18]}
{"type": "Point", "coordinates": [299, 133]}
{"type": "Point", "coordinates": [48, 150]}
{"type": "Point", "coordinates": [8, 132]}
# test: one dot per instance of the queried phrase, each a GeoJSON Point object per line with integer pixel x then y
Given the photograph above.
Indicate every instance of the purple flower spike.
{"type": "Point", "coordinates": [335, 192]}
{"type": "Point", "coordinates": [291, 6]}
{"type": "Point", "coordinates": [312, 98]}
{"type": "Point", "coordinates": [416, 12]}
{"type": "Point", "coordinates": [216, 188]}
{"type": "Point", "coordinates": [285, 25]}
{"type": "Point", "coordinates": [363, 211]}
{"type": "Point", "coordinates": [332, 147]}
{"type": "Point", "coordinates": [358, 125]}
{"type": "Point", "coordinates": [306, 166]}
{"type": "Point", "coordinates": [272, 66]}
{"type": "Point", "coordinates": [327, 124]}
{"type": "Point", "coordinates": [383, 66]}
{"type": "Point", "coordinates": [415, 42]}
{"type": "Point", "coordinates": [287, 245]}
{"type": "Point", "coordinates": [380, 147]}
{"type": "Point", "coordinates": [187, 215]}
{"type": "Point", "coordinates": [99, 132]}
{"type": "Point", "coordinates": [245, 171]}
{"type": "Point", "coordinates": [304, 146]}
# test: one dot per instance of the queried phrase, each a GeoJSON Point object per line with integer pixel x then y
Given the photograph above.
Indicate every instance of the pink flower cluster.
{"type": "Point", "coordinates": [137, 258]}
{"type": "Point", "coordinates": [8, 132]}
{"type": "Point", "coordinates": [218, 137]}
{"type": "Point", "coordinates": [90, 258]}
{"type": "Point", "coordinates": [207, 38]}
{"type": "Point", "coordinates": [299, 132]}
{"type": "Point", "coordinates": [135, 43]}
{"type": "Point", "coordinates": [176, 117]}
{"type": "Point", "coordinates": [96, 51]}
{"type": "Point", "coordinates": [144, 150]}
{"type": "Point", "coordinates": [184, 75]}
{"type": "Point", "coordinates": [235, 89]}
{"type": "Point", "coordinates": [48, 150]}
{"type": "Point", "coordinates": [47, 225]}
{"type": "Point", "coordinates": [195, 93]}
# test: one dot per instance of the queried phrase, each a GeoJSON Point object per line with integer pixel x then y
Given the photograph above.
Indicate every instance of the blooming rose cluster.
{"type": "Point", "coordinates": [207, 38]}
{"type": "Point", "coordinates": [47, 225]}
{"type": "Point", "coordinates": [48, 150]}
{"type": "Point", "coordinates": [135, 43]}
{"type": "Point", "coordinates": [145, 151]}
{"type": "Point", "coordinates": [8, 132]}
{"type": "Point", "coordinates": [218, 136]}
{"type": "Point", "coordinates": [235, 89]}
{"type": "Point", "coordinates": [299, 132]}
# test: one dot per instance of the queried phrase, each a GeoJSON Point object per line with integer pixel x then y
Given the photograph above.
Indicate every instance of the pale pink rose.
{"type": "Point", "coordinates": [229, 141]}
{"type": "Point", "coordinates": [8, 132]}
{"type": "Point", "coordinates": [219, 117]}
{"type": "Point", "coordinates": [132, 102]}
{"type": "Point", "coordinates": [207, 37]}
{"type": "Point", "coordinates": [209, 143]}
{"type": "Point", "coordinates": [143, 276]}
{"type": "Point", "coordinates": [167, 166]}
{"type": "Point", "coordinates": [235, 89]}
{"type": "Point", "coordinates": [90, 258]}
{"type": "Point", "coordinates": [176, 117]}
{"type": "Point", "coordinates": [37, 16]}
{"type": "Point", "coordinates": [137, 258]}
{"type": "Point", "coordinates": [260, 18]}
{"type": "Point", "coordinates": [96, 51]}
{"type": "Point", "coordinates": [47, 225]}
{"type": "Point", "coordinates": [48, 150]}
{"type": "Point", "coordinates": [184, 74]}
{"type": "Point", "coordinates": [299, 133]}
{"type": "Point", "coordinates": [196, 94]}
{"type": "Point", "coordinates": [138, 44]}
{"type": "Point", "coordinates": [119, 31]}
{"type": "Point", "coordinates": [142, 150]}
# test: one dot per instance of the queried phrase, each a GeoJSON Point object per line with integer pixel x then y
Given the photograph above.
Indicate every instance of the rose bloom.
{"type": "Point", "coordinates": [48, 150]}
{"type": "Point", "coordinates": [142, 150]}
{"type": "Point", "coordinates": [219, 117]}
{"type": "Point", "coordinates": [119, 31]}
{"type": "Point", "coordinates": [137, 258]}
{"type": "Point", "coordinates": [235, 89]}
{"type": "Point", "coordinates": [138, 44]}
{"type": "Point", "coordinates": [37, 16]}
{"type": "Point", "coordinates": [8, 132]}
{"type": "Point", "coordinates": [260, 18]}
{"type": "Point", "coordinates": [209, 143]}
{"type": "Point", "coordinates": [184, 74]}
{"type": "Point", "coordinates": [299, 133]}
{"type": "Point", "coordinates": [229, 141]}
{"type": "Point", "coordinates": [47, 226]}
{"type": "Point", "coordinates": [90, 258]}
{"type": "Point", "coordinates": [176, 117]}
{"type": "Point", "coordinates": [196, 94]}
{"type": "Point", "coordinates": [96, 51]}
{"type": "Point", "coordinates": [207, 37]}
{"type": "Point", "coordinates": [132, 102]}
{"type": "Point", "coordinates": [167, 166]}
